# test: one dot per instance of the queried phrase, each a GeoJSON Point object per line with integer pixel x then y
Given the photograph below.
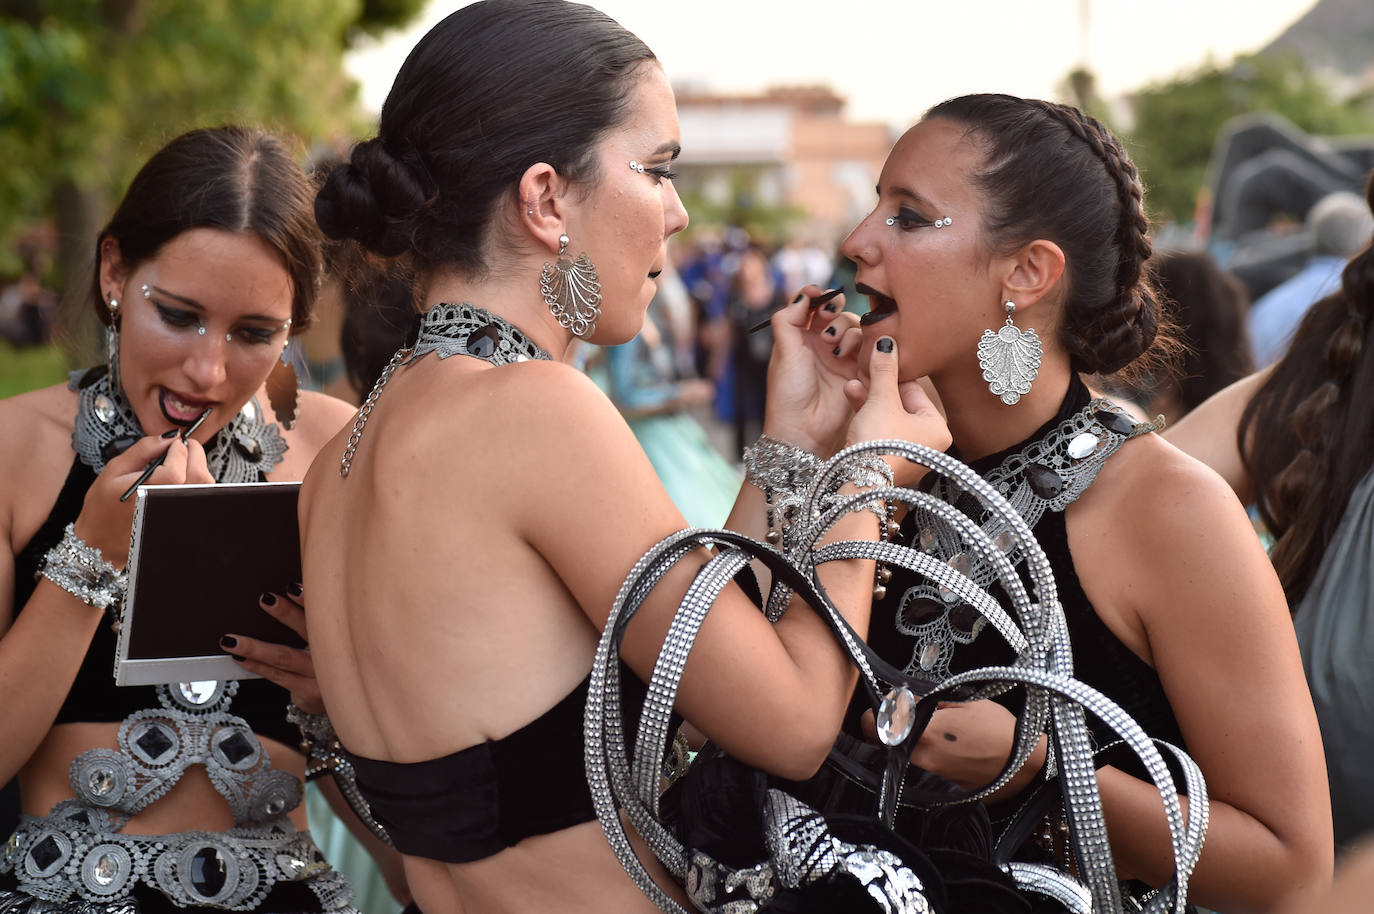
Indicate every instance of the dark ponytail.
{"type": "Point", "coordinates": [492, 89]}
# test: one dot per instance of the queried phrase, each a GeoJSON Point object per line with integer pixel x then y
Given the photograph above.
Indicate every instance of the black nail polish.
{"type": "Point", "coordinates": [268, 599]}
{"type": "Point", "coordinates": [885, 344]}
{"type": "Point", "coordinates": [228, 642]}
{"type": "Point", "coordinates": [835, 351]}
{"type": "Point", "coordinates": [826, 296]}
{"type": "Point", "coordinates": [237, 658]}
{"type": "Point", "coordinates": [800, 296]}
{"type": "Point", "coordinates": [295, 590]}
{"type": "Point", "coordinates": [832, 307]}
{"type": "Point", "coordinates": [830, 331]}
{"type": "Point", "coordinates": [170, 433]}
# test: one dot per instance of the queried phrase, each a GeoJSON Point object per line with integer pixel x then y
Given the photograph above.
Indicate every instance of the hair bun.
{"type": "Point", "coordinates": [1121, 332]}
{"type": "Point", "coordinates": [373, 199]}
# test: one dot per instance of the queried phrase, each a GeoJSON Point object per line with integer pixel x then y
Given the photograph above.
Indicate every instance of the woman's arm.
{"type": "Point", "coordinates": [1208, 432]}
{"type": "Point", "coordinates": [773, 695]}
{"type": "Point", "coordinates": [1189, 568]}
{"type": "Point", "coordinates": [42, 647]}
{"type": "Point", "coordinates": [1167, 557]}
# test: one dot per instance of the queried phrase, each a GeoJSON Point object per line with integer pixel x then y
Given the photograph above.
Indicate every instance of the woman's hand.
{"type": "Point", "coordinates": [890, 408]}
{"type": "Point", "coordinates": [289, 667]}
{"type": "Point", "coordinates": [105, 521]}
{"type": "Point", "coordinates": [814, 346]}
{"type": "Point", "coordinates": [969, 743]}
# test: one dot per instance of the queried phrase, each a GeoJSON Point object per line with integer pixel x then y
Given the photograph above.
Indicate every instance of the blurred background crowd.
{"type": "Point", "coordinates": [1253, 169]}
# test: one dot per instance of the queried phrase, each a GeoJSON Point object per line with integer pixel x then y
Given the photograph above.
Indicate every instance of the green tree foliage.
{"type": "Point", "coordinates": [1177, 122]}
{"type": "Point", "coordinates": [89, 88]}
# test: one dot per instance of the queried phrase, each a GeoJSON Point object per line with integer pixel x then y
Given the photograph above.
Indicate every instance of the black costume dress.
{"type": "Point", "coordinates": [76, 860]}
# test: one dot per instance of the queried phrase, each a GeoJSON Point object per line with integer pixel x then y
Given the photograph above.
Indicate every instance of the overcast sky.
{"type": "Point", "coordinates": [894, 58]}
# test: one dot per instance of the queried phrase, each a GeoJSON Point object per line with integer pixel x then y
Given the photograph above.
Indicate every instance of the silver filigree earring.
{"type": "Point", "coordinates": [1010, 359]}
{"type": "Point", "coordinates": [572, 290]}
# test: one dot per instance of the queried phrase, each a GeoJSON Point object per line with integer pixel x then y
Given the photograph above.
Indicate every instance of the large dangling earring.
{"type": "Point", "coordinates": [1010, 359]}
{"type": "Point", "coordinates": [112, 341]}
{"type": "Point", "coordinates": [572, 290]}
{"type": "Point", "coordinates": [283, 388]}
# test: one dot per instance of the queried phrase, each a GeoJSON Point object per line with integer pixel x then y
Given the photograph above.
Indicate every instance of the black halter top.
{"type": "Point", "coordinates": [1100, 659]}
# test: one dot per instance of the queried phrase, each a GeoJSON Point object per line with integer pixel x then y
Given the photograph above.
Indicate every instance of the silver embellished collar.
{"type": "Point", "coordinates": [465, 329]}
{"type": "Point", "coordinates": [1048, 473]}
{"type": "Point", "coordinates": [446, 329]}
{"type": "Point", "coordinates": [106, 425]}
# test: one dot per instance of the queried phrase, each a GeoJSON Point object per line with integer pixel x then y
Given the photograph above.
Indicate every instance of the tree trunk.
{"type": "Point", "coordinates": [79, 212]}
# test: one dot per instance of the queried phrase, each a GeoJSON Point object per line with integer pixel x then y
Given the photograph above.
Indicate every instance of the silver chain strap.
{"type": "Point", "coordinates": [356, 435]}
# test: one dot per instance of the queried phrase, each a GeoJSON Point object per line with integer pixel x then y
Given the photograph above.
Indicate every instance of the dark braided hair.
{"type": "Point", "coordinates": [1053, 172]}
{"type": "Point", "coordinates": [1307, 436]}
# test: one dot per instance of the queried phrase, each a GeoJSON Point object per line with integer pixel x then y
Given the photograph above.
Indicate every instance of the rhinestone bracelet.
{"type": "Point", "coordinates": [80, 570]}
{"type": "Point", "coordinates": [783, 472]}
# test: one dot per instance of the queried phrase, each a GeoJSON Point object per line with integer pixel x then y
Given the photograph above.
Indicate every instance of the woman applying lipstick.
{"type": "Point", "coordinates": [1005, 257]}
{"type": "Point", "coordinates": [464, 541]}
{"type": "Point", "coordinates": [206, 269]}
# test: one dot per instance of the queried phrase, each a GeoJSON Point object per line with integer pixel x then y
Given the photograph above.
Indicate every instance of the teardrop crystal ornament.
{"type": "Point", "coordinates": [896, 716]}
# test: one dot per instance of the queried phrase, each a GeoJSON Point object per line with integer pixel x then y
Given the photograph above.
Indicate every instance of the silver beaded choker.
{"type": "Point", "coordinates": [106, 426]}
{"type": "Point", "coordinates": [460, 329]}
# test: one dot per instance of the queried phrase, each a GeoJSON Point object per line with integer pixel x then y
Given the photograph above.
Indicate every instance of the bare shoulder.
{"type": "Point", "coordinates": [545, 425]}
{"type": "Point", "coordinates": [37, 428]}
{"type": "Point", "coordinates": [33, 423]}
{"type": "Point", "coordinates": [539, 401]}
{"type": "Point", "coordinates": [1180, 537]}
{"type": "Point", "coordinates": [1155, 484]}
{"type": "Point", "coordinates": [319, 418]}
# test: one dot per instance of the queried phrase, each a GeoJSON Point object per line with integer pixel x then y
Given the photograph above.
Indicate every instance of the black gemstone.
{"type": "Point", "coordinates": [248, 447]}
{"type": "Point", "coordinates": [482, 341]}
{"type": "Point", "coordinates": [921, 610]}
{"type": "Point", "coordinates": [236, 747]}
{"type": "Point", "coordinates": [80, 817]}
{"type": "Point", "coordinates": [963, 618]}
{"type": "Point", "coordinates": [207, 872]}
{"type": "Point", "coordinates": [154, 742]}
{"type": "Point", "coordinates": [91, 376]}
{"type": "Point", "coordinates": [1043, 481]}
{"type": "Point", "coordinates": [45, 853]}
{"type": "Point", "coordinates": [112, 449]}
{"type": "Point", "coordinates": [1114, 422]}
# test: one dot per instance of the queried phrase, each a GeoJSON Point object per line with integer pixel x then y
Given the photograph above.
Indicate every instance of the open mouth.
{"type": "Point", "coordinates": [879, 305]}
{"type": "Point", "coordinates": [180, 410]}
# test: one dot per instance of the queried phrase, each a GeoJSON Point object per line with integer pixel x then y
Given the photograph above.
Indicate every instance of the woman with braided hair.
{"type": "Point", "coordinates": [1005, 256]}
{"type": "Point", "coordinates": [1298, 441]}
